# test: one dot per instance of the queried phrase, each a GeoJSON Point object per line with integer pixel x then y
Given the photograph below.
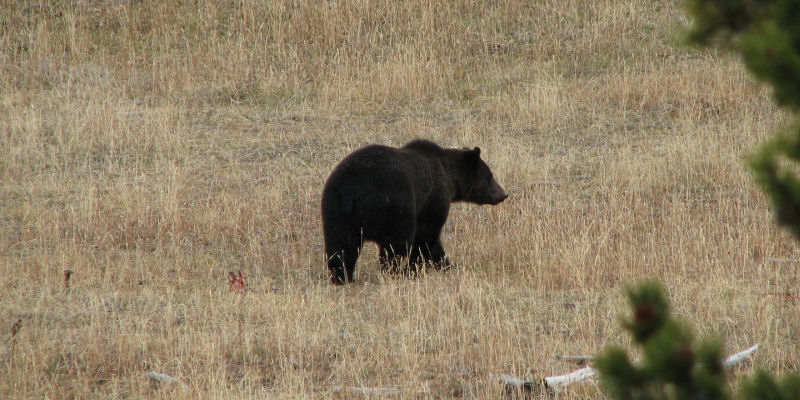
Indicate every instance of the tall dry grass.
{"type": "Point", "coordinates": [152, 147]}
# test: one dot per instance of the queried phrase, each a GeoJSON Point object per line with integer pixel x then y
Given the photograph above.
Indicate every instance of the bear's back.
{"type": "Point", "coordinates": [424, 146]}
{"type": "Point", "coordinates": [367, 158]}
{"type": "Point", "coordinates": [381, 170]}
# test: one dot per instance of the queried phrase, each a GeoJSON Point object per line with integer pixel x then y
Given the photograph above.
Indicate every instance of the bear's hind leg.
{"type": "Point", "coordinates": [342, 261]}
{"type": "Point", "coordinates": [394, 244]}
{"type": "Point", "coordinates": [341, 267]}
{"type": "Point", "coordinates": [391, 257]}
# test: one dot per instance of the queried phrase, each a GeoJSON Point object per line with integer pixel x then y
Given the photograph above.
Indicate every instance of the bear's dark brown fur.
{"type": "Point", "coordinates": [399, 198]}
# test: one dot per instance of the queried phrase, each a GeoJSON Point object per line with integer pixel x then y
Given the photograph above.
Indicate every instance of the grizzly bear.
{"type": "Point", "coordinates": [399, 198]}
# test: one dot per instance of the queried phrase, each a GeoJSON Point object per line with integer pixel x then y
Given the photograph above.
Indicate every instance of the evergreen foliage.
{"type": "Point", "coordinates": [673, 366]}
{"type": "Point", "coordinates": [767, 36]}
{"type": "Point", "coordinates": [766, 33]}
{"type": "Point", "coordinates": [764, 386]}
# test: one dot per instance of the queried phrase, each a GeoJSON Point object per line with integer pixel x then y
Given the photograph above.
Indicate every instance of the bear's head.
{"type": "Point", "coordinates": [478, 183]}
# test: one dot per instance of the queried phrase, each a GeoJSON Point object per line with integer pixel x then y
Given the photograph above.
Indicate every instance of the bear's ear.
{"type": "Point", "coordinates": [472, 156]}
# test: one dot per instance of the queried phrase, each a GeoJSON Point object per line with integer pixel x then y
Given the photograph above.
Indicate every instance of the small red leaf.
{"type": "Point", "coordinates": [67, 275]}
{"type": "Point", "coordinates": [237, 282]}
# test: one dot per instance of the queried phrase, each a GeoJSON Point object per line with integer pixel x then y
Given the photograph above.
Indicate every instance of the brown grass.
{"type": "Point", "coordinates": [153, 147]}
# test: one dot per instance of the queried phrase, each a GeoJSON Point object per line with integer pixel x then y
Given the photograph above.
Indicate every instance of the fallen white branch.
{"type": "Point", "coordinates": [740, 356]}
{"type": "Point", "coordinates": [368, 391]}
{"type": "Point", "coordinates": [557, 384]}
{"type": "Point", "coordinates": [156, 379]}
{"type": "Point", "coordinates": [514, 383]}
{"type": "Point", "coordinates": [553, 384]}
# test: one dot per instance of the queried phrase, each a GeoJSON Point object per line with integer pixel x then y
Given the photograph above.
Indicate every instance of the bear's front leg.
{"type": "Point", "coordinates": [438, 256]}
{"type": "Point", "coordinates": [391, 257]}
{"type": "Point", "coordinates": [429, 253]}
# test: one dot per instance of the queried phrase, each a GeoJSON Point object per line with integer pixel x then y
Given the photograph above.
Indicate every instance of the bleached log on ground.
{"type": "Point", "coordinates": [740, 356]}
{"type": "Point", "coordinates": [557, 384]}
{"type": "Point", "coordinates": [157, 378]}
{"type": "Point", "coordinates": [513, 382]}
{"type": "Point", "coordinates": [552, 384]}
{"type": "Point", "coordinates": [368, 391]}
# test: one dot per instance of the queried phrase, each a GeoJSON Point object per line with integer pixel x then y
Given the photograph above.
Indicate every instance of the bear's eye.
{"type": "Point", "coordinates": [490, 177]}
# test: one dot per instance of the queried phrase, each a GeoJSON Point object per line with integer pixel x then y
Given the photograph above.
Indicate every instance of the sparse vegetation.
{"type": "Point", "coordinates": [152, 148]}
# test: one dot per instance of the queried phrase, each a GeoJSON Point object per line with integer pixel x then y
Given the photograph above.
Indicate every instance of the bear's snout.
{"type": "Point", "coordinates": [499, 199]}
{"type": "Point", "coordinates": [496, 193]}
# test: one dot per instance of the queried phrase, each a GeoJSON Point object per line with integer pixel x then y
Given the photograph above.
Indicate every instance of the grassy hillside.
{"type": "Point", "coordinates": [153, 147]}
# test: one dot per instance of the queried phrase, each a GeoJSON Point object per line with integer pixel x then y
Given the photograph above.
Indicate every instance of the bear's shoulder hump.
{"type": "Point", "coordinates": [424, 146]}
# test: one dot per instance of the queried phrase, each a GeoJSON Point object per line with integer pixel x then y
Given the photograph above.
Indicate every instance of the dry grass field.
{"type": "Point", "coordinates": [153, 147]}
